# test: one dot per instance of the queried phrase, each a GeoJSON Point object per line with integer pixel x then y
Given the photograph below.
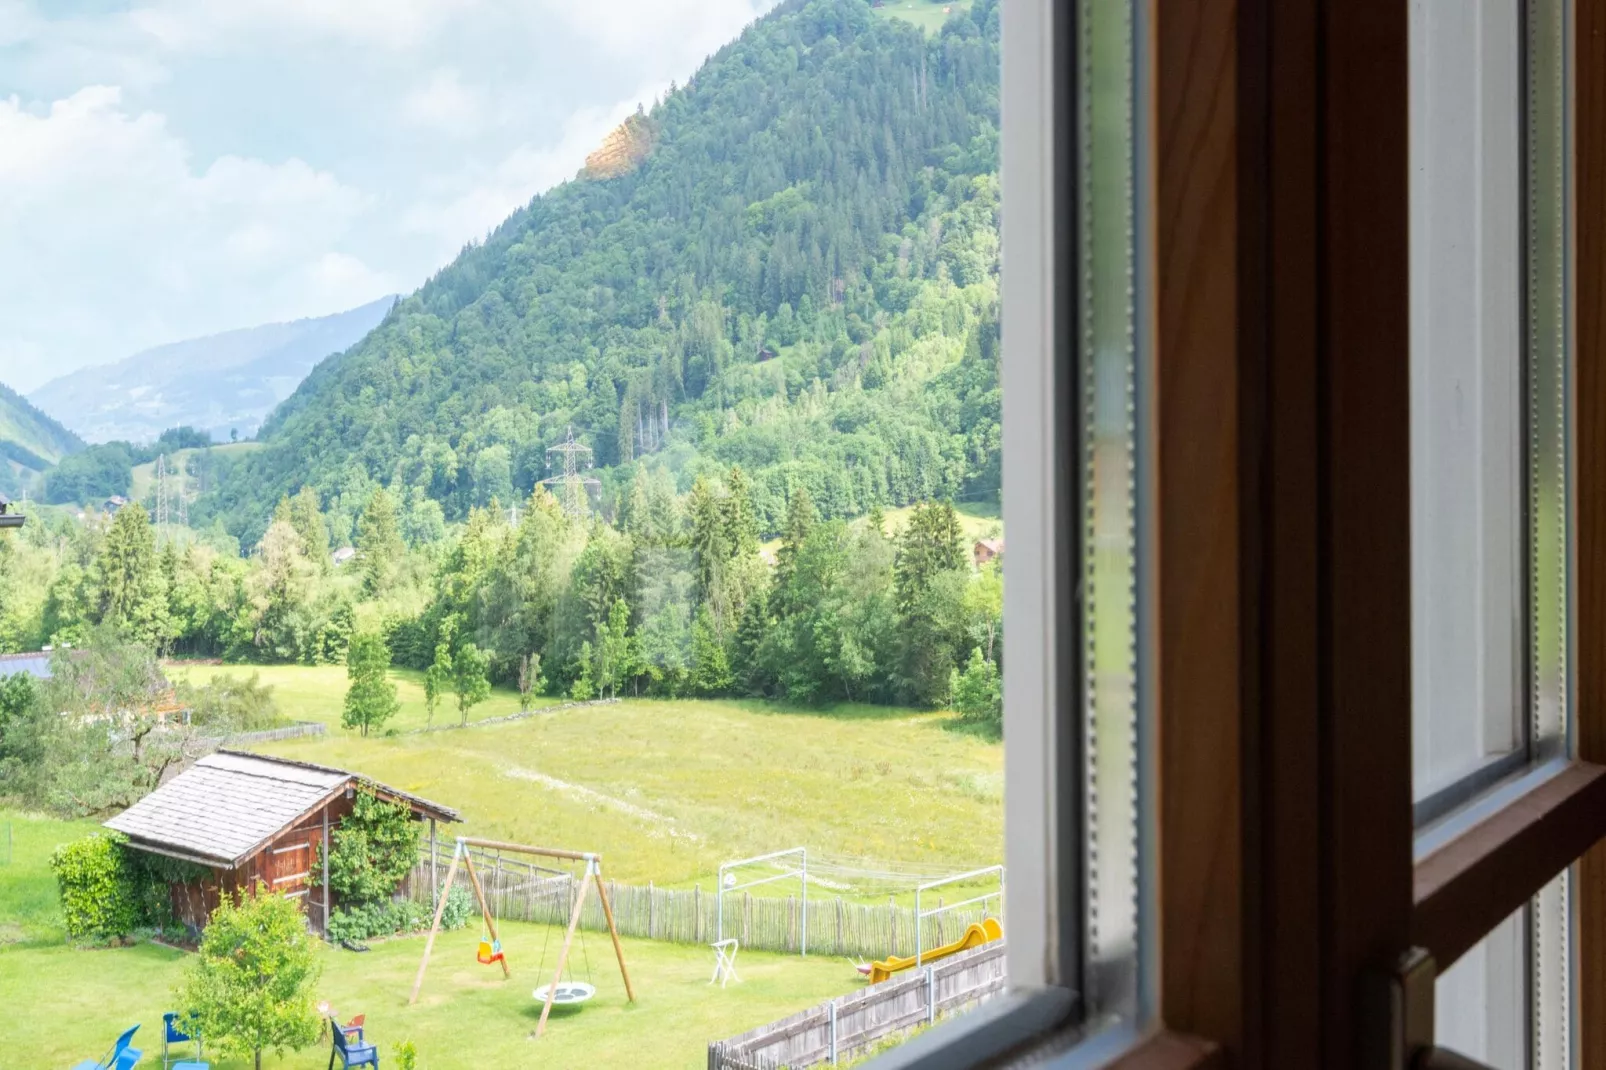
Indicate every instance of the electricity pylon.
{"type": "Point", "coordinates": [573, 497]}
{"type": "Point", "coordinates": [161, 496]}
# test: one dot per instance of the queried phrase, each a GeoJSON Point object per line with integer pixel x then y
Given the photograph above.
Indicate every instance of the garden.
{"type": "Point", "coordinates": [666, 790]}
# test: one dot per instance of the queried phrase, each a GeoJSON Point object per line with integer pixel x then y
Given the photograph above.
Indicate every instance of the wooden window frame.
{"type": "Point", "coordinates": [1280, 321]}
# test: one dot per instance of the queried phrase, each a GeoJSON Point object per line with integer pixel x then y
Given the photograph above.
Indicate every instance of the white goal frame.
{"type": "Point", "coordinates": [799, 871]}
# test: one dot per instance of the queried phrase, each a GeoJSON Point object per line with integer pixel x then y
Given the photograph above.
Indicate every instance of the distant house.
{"type": "Point", "coordinates": [985, 550]}
{"type": "Point", "coordinates": [35, 663]}
{"type": "Point", "coordinates": [114, 503]}
{"type": "Point", "coordinates": [249, 818]}
{"type": "Point", "coordinates": [342, 555]}
{"type": "Point", "coordinates": [8, 519]}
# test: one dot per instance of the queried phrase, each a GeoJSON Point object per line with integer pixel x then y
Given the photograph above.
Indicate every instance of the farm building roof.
{"type": "Point", "coordinates": [228, 805]}
{"type": "Point", "coordinates": [36, 663]}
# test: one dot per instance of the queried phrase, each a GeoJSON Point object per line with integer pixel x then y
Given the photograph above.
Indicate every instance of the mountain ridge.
{"type": "Point", "coordinates": [219, 383]}
{"type": "Point", "coordinates": [799, 278]}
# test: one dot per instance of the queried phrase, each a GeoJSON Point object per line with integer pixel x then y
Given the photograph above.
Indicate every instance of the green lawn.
{"type": "Point", "coordinates": [316, 692]}
{"type": "Point", "coordinates": [29, 910]}
{"type": "Point", "coordinates": [467, 1015]}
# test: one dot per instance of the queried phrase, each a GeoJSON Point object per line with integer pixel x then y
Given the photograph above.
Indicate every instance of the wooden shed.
{"type": "Point", "coordinates": [250, 817]}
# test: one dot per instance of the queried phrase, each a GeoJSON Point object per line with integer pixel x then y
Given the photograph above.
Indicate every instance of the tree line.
{"type": "Point", "coordinates": [673, 595]}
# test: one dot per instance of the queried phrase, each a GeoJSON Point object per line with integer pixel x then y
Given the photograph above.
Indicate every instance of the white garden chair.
{"type": "Point", "coordinates": [725, 961]}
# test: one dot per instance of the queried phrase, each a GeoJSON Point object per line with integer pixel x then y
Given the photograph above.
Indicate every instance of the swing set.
{"type": "Point", "coordinates": [490, 950]}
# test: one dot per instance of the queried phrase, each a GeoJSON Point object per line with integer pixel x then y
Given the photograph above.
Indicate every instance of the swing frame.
{"type": "Point", "coordinates": [593, 875]}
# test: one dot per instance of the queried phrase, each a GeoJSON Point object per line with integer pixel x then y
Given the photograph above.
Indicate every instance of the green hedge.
{"type": "Point", "coordinates": [108, 889]}
{"type": "Point", "coordinates": [101, 895]}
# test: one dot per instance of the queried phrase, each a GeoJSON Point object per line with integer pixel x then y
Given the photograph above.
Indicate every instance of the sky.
{"type": "Point", "coordinates": [175, 168]}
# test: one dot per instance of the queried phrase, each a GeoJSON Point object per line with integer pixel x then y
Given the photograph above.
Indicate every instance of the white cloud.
{"type": "Point", "coordinates": [110, 238]}
{"type": "Point", "coordinates": [174, 167]}
{"type": "Point", "coordinates": [445, 104]}
{"type": "Point", "coordinates": [691, 28]}
{"type": "Point", "coordinates": [208, 24]}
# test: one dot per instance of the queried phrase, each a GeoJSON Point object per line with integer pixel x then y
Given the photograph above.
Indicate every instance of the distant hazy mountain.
{"type": "Point", "coordinates": [219, 383]}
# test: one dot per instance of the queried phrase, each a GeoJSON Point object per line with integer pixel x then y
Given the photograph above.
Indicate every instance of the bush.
{"type": "Point", "coordinates": [363, 922]}
{"type": "Point", "coordinates": [369, 920]}
{"type": "Point", "coordinates": [459, 906]}
{"type": "Point", "coordinates": [231, 703]}
{"type": "Point", "coordinates": [100, 888]}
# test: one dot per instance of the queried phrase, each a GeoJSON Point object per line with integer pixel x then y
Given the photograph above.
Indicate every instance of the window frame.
{"type": "Point", "coordinates": [1289, 884]}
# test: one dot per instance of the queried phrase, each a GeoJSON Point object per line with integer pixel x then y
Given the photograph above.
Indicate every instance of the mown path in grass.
{"type": "Point", "coordinates": [66, 1004]}
{"type": "Point", "coordinates": [668, 790]}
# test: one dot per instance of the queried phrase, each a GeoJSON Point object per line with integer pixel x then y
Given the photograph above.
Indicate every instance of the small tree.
{"type": "Point", "coordinates": [250, 987]}
{"type": "Point", "coordinates": [468, 678]}
{"type": "Point", "coordinates": [379, 542]}
{"type": "Point", "coordinates": [582, 688]}
{"type": "Point", "coordinates": [529, 680]}
{"type": "Point", "coordinates": [710, 667]}
{"type": "Point", "coordinates": [614, 663]}
{"type": "Point", "coordinates": [978, 692]}
{"type": "Point", "coordinates": [370, 696]}
{"type": "Point", "coordinates": [437, 680]}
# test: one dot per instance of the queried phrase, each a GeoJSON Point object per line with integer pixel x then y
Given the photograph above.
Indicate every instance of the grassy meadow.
{"type": "Point", "coordinates": [667, 790]}
{"type": "Point", "coordinates": [929, 15]}
{"type": "Point", "coordinates": [316, 692]}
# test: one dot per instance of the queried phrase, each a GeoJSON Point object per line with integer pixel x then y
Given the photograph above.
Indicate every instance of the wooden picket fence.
{"type": "Point", "coordinates": [526, 892]}
{"type": "Point", "coordinates": [847, 1026]}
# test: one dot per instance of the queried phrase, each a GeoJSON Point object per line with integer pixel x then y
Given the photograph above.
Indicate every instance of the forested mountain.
{"type": "Point", "coordinates": [788, 264]}
{"type": "Point", "coordinates": [221, 384]}
{"type": "Point", "coordinates": [30, 441]}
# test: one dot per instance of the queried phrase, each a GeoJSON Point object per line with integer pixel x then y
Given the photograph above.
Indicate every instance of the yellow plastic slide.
{"type": "Point", "coordinates": [975, 935]}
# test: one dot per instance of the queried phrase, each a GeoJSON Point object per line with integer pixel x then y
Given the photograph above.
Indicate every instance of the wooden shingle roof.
{"type": "Point", "coordinates": [228, 805]}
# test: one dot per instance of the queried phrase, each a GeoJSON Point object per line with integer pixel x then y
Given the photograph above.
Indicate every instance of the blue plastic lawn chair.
{"type": "Point", "coordinates": [351, 1052]}
{"type": "Point", "coordinates": [171, 1035]}
{"type": "Point", "coordinates": [120, 1057]}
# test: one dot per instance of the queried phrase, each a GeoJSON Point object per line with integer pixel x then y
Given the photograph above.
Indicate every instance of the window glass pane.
{"type": "Point", "coordinates": [1107, 250]}
{"type": "Point", "coordinates": [1507, 1001]}
{"type": "Point", "coordinates": [1466, 346]}
{"type": "Point", "coordinates": [1481, 1002]}
{"type": "Point", "coordinates": [1548, 368]}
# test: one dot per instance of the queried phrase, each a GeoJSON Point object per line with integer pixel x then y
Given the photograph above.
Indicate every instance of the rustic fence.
{"type": "Point", "coordinates": [848, 1025]}
{"type": "Point", "coordinates": [197, 746]}
{"type": "Point", "coordinates": [525, 892]}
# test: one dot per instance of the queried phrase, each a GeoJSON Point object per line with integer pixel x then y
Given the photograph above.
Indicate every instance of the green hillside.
{"type": "Point", "coordinates": [30, 441]}
{"type": "Point", "coordinates": [792, 267]}
{"type": "Point", "coordinates": [34, 439]}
